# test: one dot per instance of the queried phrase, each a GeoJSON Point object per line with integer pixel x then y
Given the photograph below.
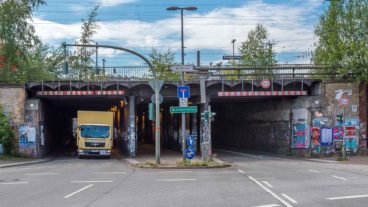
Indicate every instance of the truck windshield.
{"type": "Point", "coordinates": [93, 131]}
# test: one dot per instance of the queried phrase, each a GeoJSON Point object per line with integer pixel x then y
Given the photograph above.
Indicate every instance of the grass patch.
{"type": "Point", "coordinates": [341, 159]}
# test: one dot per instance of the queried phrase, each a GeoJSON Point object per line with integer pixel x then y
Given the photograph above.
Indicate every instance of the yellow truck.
{"type": "Point", "coordinates": [94, 133]}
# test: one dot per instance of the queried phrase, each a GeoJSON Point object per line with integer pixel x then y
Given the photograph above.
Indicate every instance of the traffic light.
{"type": "Point", "coordinates": [212, 116]}
{"type": "Point", "coordinates": [151, 111]}
{"type": "Point", "coordinates": [65, 67]}
{"type": "Point", "coordinates": [205, 116]}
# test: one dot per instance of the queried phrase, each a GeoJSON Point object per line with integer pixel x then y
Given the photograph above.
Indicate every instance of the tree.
{"type": "Point", "coordinates": [161, 61]}
{"type": "Point", "coordinates": [256, 51]}
{"type": "Point", "coordinates": [81, 62]}
{"type": "Point", "coordinates": [17, 38]}
{"type": "Point", "coordinates": [343, 41]}
{"type": "Point", "coordinates": [6, 134]}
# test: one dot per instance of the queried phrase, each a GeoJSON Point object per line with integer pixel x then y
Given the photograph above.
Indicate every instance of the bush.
{"type": "Point", "coordinates": [6, 134]}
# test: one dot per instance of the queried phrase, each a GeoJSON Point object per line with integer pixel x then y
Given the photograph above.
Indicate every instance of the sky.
{"type": "Point", "coordinates": [142, 25]}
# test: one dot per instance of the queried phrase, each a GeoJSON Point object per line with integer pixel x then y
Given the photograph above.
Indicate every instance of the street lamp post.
{"type": "Point", "coordinates": [233, 41]}
{"type": "Point", "coordinates": [175, 8]}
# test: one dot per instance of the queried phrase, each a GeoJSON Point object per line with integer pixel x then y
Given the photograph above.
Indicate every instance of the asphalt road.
{"type": "Point", "coordinates": [253, 180]}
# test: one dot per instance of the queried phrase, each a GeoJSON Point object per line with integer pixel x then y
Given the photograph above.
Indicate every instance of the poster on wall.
{"type": "Point", "coordinates": [351, 139]}
{"type": "Point", "coordinates": [300, 136]}
{"type": "Point", "coordinates": [315, 131]}
{"type": "Point", "coordinates": [338, 133]}
{"type": "Point", "coordinates": [326, 137]}
{"type": "Point", "coordinates": [27, 138]}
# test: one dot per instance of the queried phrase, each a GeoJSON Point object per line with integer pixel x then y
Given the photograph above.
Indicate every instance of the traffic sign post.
{"type": "Point", "coordinates": [183, 92]}
{"type": "Point", "coordinates": [182, 68]}
{"type": "Point", "coordinates": [188, 109]}
{"type": "Point", "coordinates": [183, 102]}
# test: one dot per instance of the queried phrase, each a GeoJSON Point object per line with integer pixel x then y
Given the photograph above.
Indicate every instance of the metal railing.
{"type": "Point", "coordinates": [244, 72]}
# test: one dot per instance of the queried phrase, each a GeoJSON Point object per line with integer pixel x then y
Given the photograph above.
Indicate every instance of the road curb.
{"type": "Point", "coordinates": [24, 163]}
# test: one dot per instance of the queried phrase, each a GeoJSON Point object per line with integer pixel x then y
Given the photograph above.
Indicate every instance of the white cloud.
{"type": "Point", "coordinates": [110, 3]}
{"type": "Point", "coordinates": [289, 26]}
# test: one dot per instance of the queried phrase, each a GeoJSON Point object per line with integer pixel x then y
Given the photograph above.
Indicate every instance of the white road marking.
{"type": "Point", "coordinates": [263, 178]}
{"type": "Point", "coordinates": [78, 191]}
{"type": "Point", "coordinates": [174, 180]}
{"type": "Point", "coordinates": [341, 178]}
{"type": "Point", "coordinates": [92, 181]}
{"type": "Point", "coordinates": [241, 171]}
{"type": "Point", "coordinates": [348, 197]}
{"type": "Point", "coordinates": [14, 183]}
{"type": "Point", "coordinates": [289, 198]}
{"type": "Point", "coordinates": [42, 173]}
{"type": "Point", "coordinates": [132, 161]}
{"type": "Point", "coordinates": [315, 171]}
{"type": "Point", "coordinates": [176, 171]}
{"type": "Point", "coordinates": [269, 205]}
{"type": "Point", "coordinates": [268, 184]}
{"type": "Point", "coordinates": [270, 192]}
{"type": "Point", "coordinates": [239, 153]}
{"type": "Point", "coordinates": [109, 172]}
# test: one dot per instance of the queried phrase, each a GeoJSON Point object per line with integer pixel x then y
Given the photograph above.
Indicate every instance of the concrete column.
{"type": "Point", "coordinates": [131, 130]}
{"type": "Point", "coordinates": [31, 141]}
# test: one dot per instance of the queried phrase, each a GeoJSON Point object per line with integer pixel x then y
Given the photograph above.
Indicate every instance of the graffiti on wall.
{"type": "Point", "coordinates": [27, 140]}
{"type": "Point", "coordinates": [300, 136]}
{"type": "Point", "coordinates": [351, 139]}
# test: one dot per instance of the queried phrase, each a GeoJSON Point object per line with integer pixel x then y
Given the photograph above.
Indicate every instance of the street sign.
{"type": "Point", "coordinates": [183, 92]}
{"type": "Point", "coordinates": [182, 68]}
{"type": "Point", "coordinates": [188, 109]}
{"type": "Point", "coordinates": [190, 141]}
{"type": "Point", "coordinates": [160, 98]}
{"type": "Point", "coordinates": [189, 153]}
{"type": "Point", "coordinates": [152, 83]}
{"type": "Point", "coordinates": [265, 83]}
{"type": "Point", "coordinates": [183, 102]}
{"type": "Point", "coordinates": [343, 102]}
{"type": "Point", "coordinates": [230, 57]}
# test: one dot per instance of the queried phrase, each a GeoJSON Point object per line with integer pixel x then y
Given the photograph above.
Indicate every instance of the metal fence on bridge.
{"type": "Point", "coordinates": [237, 72]}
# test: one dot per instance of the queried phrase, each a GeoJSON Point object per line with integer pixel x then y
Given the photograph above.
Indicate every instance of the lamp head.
{"type": "Point", "coordinates": [172, 8]}
{"type": "Point", "coordinates": [190, 8]}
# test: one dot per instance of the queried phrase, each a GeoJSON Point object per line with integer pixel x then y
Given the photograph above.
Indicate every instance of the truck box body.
{"type": "Point", "coordinates": [94, 133]}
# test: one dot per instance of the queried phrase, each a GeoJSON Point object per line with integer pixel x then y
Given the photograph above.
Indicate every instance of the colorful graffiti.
{"type": "Point", "coordinates": [351, 139]}
{"type": "Point", "coordinates": [27, 140]}
{"type": "Point", "coordinates": [338, 133]}
{"type": "Point", "coordinates": [300, 136]}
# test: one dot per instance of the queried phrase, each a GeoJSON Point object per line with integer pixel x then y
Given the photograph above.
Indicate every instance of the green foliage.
{"type": "Point", "coordinates": [161, 61]}
{"type": "Point", "coordinates": [17, 39]}
{"type": "Point", "coordinates": [256, 51]}
{"type": "Point", "coordinates": [342, 45]}
{"type": "Point", "coordinates": [81, 62]}
{"type": "Point", "coordinates": [6, 134]}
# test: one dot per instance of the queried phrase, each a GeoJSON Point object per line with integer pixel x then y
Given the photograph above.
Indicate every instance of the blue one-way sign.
{"type": "Point", "coordinates": [183, 92]}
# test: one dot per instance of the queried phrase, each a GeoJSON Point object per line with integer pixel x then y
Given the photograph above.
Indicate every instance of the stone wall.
{"type": "Point", "coordinates": [12, 99]}
{"type": "Point", "coordinates": [264, 125]}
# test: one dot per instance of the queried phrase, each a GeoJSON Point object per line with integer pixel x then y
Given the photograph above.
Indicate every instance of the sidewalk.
{"type": "Point", "coordinates": [357, 160]}
{"type": "Point", "coordinates": [11, 162]}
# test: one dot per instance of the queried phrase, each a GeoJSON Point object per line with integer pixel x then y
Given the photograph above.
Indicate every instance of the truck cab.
{"type": "Point", "coordinates": [94, 133]}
